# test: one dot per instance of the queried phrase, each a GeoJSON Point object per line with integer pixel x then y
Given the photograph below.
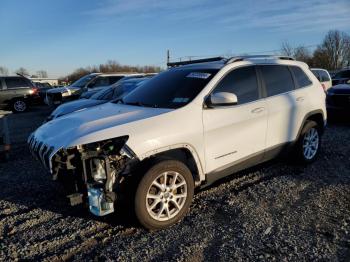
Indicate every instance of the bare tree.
{"type": "Point", "coordinates": [22, 71]}
{"type": "Point", "coordinates": [336, 46]}
{"type": "Point", "coordinates": [41, 74]}
{"type": "Point", "coordinates": [3, 71]}
{"type": "Point", "coordinates": [301, 53]}
{"type": "Point", "coordinates": [287, 49]}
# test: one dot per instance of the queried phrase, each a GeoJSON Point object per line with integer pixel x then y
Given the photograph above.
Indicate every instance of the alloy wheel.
{"type": "Point", "coordinates": [20, 106]}
{"type": "Point", "coordinates": [166, 196]}
{"type": "Point", "coordinates": [310, 143]}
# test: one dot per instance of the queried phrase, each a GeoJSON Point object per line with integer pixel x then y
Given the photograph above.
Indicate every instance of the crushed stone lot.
{"type": "Point", "coordinates": [276, 211]}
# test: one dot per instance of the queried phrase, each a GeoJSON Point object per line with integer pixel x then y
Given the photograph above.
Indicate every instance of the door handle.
{"type": "Point", "coordinates": [300, 99]}
{"type": "Point", "coordinates": [258, 110]}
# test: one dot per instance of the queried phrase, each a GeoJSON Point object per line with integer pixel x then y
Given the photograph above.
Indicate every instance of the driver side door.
{"type": "Point", "coordinates": [236, 134]}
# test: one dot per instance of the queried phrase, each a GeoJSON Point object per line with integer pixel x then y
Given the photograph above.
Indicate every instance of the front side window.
{"type": "Point", "coordinates": [100, 81]}
{"type": "Point", "coordinates": [301, 78]}
{"type": "Point", "coordinates": [277, 78]}
{"type": "Point", "coordinates": [16, 82]}
{"type": "Point", "coordinates": [242, 82]}
{"type": "Point", "coordinates": [81, 82]}
{"type": "Point", "coordinates": [173, 88]}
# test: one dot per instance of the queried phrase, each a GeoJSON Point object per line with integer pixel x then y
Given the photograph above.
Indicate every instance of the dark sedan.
{"type": "Point", "coordinates": [338, 98]}
{"type": "Point", "coordinates": [342, 77]}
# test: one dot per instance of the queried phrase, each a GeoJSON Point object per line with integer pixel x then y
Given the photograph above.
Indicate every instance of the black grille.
{"type": "Point", "coordinates": [40, 151]}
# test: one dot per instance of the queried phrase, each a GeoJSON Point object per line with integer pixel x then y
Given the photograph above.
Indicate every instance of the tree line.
{"type": "Point", "coordinates": [332, 54]}
{"type": "Point", "coordinates": [110, 66]}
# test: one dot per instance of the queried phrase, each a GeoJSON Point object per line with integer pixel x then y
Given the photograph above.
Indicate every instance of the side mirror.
{"type": "Point", "coordinates": [222, 99]}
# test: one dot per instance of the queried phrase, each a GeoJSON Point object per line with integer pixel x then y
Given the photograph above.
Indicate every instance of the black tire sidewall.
{"type": "Point", "coordinates": [140, 207]}
{"type": "Point", "coordinates": [300, 151]}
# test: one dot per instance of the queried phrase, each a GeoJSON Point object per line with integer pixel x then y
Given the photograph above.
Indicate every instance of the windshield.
{"type": "Point", "coordinates": [81, 82]}
{"type": "Point", "coordinates": [171, 89]}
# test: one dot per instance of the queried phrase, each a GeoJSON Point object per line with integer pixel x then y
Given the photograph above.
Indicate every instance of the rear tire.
{"type": "Point", "coordinates": [309, 143]}
{"type": "Point", "coordinates": [164, 195]}
{"type": "Point", "coordinates": [19, 106]}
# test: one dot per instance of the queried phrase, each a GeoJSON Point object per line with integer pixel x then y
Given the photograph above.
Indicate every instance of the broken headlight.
{"type": "Point", "coordinates": [105, 156]}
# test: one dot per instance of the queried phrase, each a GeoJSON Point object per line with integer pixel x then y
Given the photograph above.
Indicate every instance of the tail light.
{"type": "Point", "coordinates": [34, 91]}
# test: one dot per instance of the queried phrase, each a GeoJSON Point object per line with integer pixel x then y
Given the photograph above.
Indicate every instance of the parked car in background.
{"type": "Point", "coordinates": [91, 91]}
{"type": "Point", "coordinates": [338, 99]}
{"type": "Point", "coordinates": [187, 127]}
{"type": "Point", "coordinates": [116, 91]}
{"type": "Point", "coordinates": [323, 76]}
{"type": "Point", "coordinates": [342, 77]}
{"type": "Point", "coordinates": [42, 89]}
{"type": "Point", "coordinates": [92, 81]}
{"type": "Point", "coordinates": [17, 93]}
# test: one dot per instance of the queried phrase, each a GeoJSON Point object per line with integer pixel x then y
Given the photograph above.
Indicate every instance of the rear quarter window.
{"type": "Point", "coordinates": [302, 80]}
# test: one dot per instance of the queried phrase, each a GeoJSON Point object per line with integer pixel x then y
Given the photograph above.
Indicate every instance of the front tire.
{"type": "Point", "coordinates": [309, 143]}
{"type": "Point", "coordinates": [164, 195]}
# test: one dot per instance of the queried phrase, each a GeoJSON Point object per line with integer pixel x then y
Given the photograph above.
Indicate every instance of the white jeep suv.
{"type": "Point", "coordinates": [187, 127]}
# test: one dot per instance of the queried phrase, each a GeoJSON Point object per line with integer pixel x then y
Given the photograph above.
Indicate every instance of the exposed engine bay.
{"type": "Point", "coordinates": [94, 172]}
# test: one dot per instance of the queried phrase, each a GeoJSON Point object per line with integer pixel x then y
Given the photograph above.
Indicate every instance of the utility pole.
{"type": "Point", "coordinates": [167, 57]}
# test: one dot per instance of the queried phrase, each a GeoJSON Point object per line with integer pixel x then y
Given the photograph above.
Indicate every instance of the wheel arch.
{"type": "Point", "coordinates": [317, 116]}
{"type": "Point", "coordinates": [181, 152]}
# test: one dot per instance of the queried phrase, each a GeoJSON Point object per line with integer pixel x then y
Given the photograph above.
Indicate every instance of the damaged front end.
{"type": "Point", "coordinates": [94, 172]}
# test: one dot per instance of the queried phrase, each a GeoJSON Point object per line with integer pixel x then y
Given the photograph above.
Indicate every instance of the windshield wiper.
{"type": "Point", "coordinates": [120, 100]}
{"type": "Point", "coordinates": [140, 104]}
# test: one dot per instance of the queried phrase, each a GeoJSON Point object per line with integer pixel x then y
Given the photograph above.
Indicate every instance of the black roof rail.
{"type": "Point", "coordinates": [241, 58]}
{"type": "Point", "coordinates": [197, 61]}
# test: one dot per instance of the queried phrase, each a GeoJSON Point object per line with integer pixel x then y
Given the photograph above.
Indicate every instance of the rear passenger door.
{"type": "Point", "coordinates": [284, 105]}
{"type": "Point", "coordinates": [278, 83]}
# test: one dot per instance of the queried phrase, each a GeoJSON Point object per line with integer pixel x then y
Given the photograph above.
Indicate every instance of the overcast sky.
{"type": "Point", "coordinates": [60, 36]}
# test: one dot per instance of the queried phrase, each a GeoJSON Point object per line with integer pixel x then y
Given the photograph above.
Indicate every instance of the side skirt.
{"type": "Point", "coordinates": [250, 161]}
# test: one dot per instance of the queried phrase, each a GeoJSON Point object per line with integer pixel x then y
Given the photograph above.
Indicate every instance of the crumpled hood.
{"type": "Point", "coordinates": [63, 89]}
{"type": "Point", "coordinates": [75, 106]}
{"type": "Point", "coordinates": [89, 125]}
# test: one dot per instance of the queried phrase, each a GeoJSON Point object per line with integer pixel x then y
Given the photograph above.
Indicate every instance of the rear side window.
{"type": "Point", "coordinates": [324, 76]}
{"type": "Point", "coordinates": [100, 81]}
{"type": "Point", "coordinates": [278, 79]}
{"type": "Point", "coordinates": [16, 82]}
{"type": "Point", "coordinates": [242, 82]}
{"type": "Point", "coordinates": [301, 78]}
{"type": "Point", "coordinates": [114, 79]}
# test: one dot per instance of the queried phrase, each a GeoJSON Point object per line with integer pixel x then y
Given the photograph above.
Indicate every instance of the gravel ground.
{"type": "Point", "coordinates": [277, 211]}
